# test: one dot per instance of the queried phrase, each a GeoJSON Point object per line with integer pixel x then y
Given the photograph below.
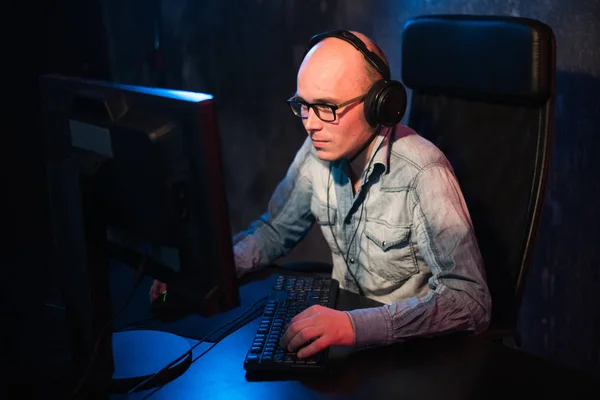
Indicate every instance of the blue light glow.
{"type": "Point", "coordinates": [170, 93]}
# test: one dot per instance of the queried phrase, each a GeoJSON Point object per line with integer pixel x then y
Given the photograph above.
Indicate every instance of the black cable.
{"type": "Point", "coordinates": [250, 318]}
{"type": "Point", "coordinates": [181, 357]}
{"type": "Point", "coordinates": [235, 328]}
{"type": "Point", "coordinates": [235, 320]}
{"type": "Point", "coordinates": [101, 334]}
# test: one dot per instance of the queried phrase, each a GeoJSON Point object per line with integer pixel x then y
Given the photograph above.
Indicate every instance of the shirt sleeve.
{"type": "Point", "coordinates": [458, 298]}
{"type": "Point", "coordinates": [286, 221]}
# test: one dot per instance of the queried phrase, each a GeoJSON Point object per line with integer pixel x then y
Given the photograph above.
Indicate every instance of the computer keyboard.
{"type": "Point", "coordinates": [289, 296]}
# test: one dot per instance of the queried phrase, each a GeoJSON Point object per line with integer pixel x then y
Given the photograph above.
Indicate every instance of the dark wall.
{"type": "Point", "coordinates": [62, 36]}
{"type": "Point", "coordinates": [56, 36]}
{"type": "Point", "coordinates": [247, 53]}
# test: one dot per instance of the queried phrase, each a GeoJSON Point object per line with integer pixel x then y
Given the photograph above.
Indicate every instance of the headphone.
{"type": "Point", "coordinates": [385, 102]}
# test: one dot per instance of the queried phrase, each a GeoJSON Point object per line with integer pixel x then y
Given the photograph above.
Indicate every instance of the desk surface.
{"type": "Point", "coordinates": [452, 367]}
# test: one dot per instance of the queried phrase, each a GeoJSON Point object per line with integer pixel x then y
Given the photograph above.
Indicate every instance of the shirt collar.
{"type": "Point", "coordinates": [383, 148]}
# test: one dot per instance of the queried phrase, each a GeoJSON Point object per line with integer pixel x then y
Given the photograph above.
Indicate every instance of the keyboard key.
{"type": "Point", "coordinates": [252, 358]}
{"type": "Point", "coordinates": [312, 359]}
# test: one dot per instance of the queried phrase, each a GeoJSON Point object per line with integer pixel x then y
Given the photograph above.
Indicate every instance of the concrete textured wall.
{"type": "Point", "coordinates": [246, 53]}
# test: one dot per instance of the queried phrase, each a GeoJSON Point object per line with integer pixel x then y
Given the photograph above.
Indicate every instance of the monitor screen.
{"type": "Point", "coordinates": [135, 172]}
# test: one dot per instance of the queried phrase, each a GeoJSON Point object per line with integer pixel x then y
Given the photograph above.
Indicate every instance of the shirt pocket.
{"type": "Point", "coordinates": [391, 254]}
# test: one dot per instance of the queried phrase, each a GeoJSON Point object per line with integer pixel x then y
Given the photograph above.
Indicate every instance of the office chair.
{"type": "Point", "coordinates": [483, 90]}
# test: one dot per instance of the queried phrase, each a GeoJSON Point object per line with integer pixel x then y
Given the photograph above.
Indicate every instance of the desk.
{"type": "Point", "coordinates": [451, 367]}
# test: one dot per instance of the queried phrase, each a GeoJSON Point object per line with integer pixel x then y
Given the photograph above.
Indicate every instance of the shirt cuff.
{"type": "Point", "coordinates": [372, 326]}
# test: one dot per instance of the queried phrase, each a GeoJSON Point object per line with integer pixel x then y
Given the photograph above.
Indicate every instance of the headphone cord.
{"type": "Point", "coordinates": [360, 290]}
{"type": "Point", "coordinates": [364, 146]}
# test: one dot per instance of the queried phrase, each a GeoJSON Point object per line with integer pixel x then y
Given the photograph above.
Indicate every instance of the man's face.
{"type": "Point", "coordinates": [333, 74]}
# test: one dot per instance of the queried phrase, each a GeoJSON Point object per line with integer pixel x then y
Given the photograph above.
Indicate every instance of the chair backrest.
{"type": "Point", "coordinates": [483, 91]}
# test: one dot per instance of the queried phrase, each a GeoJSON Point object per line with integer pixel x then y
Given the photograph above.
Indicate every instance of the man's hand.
{"type": "Point", "coordinates": [157, 289]}
{"type": "Point", "coordinates": [325, 326]}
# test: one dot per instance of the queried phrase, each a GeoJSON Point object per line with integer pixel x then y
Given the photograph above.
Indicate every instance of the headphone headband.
{"type": "Point", "coordinates": [373, 59]}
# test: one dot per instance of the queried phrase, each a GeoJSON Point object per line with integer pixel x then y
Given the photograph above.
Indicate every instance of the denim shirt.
{"type": "Point", "coordinates": [406, 235]}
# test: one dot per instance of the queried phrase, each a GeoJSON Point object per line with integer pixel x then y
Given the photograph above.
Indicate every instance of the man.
{"type": "Point", "coordinates": [389, 206]}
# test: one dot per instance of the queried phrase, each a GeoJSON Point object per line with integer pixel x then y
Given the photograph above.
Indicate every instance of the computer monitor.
{"type": "Point", "coordinates": [129, 163]}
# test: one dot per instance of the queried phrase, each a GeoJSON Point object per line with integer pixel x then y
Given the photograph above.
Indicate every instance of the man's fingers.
{"type": "Point", "coordinates": [304, 336]}
{"type": "Point", "coordinates": [315, 347]}
{"type": "Point", "coordinates": [310, 311]}
{"type": "Point", "coordinates": [293, 329]}
{"type": "Point", "coordinates": [156, 289]}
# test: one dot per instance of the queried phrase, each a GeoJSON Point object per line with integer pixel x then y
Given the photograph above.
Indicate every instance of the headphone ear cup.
{"type": "Point", "coordinates": [370, 103]}
{"type": "Point", "coordinates": [385, 103]}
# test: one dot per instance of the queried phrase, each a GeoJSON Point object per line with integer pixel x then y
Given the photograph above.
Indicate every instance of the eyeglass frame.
{"type": "Point", "coordinates": [333, 107]}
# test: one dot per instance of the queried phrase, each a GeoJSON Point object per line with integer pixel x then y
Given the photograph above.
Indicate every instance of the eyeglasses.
{"type": "Point", "coordinates": [325, 112]}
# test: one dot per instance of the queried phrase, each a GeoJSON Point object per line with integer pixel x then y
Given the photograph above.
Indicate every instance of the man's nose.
{"type": "Point", "coordinates": [312, 122]}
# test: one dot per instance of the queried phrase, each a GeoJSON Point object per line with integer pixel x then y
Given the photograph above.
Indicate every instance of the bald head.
{"type": "Point", "coordinates": [337, 55]}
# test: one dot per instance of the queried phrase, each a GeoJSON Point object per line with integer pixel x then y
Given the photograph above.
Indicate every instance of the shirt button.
{"type": "Point", "coordinates": [383, 243]}
{"type": "Point", "coordinates": [352, 261]}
